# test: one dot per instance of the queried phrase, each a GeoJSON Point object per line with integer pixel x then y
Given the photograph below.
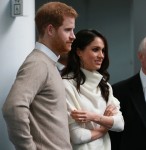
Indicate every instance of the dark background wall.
{"type": "Point", "coordinates": [117, 20]}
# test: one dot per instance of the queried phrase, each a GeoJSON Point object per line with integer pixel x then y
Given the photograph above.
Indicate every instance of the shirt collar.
{"type": "Point", "coordinates": [47, 51]}
{"type": "Point", "coordinates": [143, 78]}
{"type": "Point", "coordinates": [60, 66]}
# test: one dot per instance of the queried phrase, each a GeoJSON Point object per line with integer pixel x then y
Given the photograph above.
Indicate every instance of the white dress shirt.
{"type": "Point", "coordinates": [47, 51]}
{"type": "Point", "coordinates": [143, 80]}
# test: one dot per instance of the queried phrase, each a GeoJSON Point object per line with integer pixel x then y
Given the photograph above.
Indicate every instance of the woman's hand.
{"type": "Point", "coordinates": [82, 116]}
{"type": "Point", "coordinates": [110, 110]}
{"type": "Point", "coordinates": [85, 116]}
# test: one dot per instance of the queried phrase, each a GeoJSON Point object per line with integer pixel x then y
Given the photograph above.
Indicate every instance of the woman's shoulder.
{"type": "Point", "coordinates": [68, 81]}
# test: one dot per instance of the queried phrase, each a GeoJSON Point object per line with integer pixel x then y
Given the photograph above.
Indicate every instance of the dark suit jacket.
{"type": "Point", "coordinates": [133, 107]}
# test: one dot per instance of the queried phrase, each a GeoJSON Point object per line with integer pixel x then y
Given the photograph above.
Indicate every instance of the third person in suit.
{"type": "Point", "coordinates": [132, 96]}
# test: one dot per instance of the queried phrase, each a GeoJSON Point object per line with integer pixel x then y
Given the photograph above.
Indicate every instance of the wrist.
{"type": "Point", "coordinates": [98, 119]}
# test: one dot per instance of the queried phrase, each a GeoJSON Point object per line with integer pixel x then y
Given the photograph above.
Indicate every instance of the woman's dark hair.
{"type": "Point", "coordinates": [84, 38]}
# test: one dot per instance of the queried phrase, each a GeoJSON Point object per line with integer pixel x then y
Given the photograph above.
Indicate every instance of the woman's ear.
{"type": "Point", "coordinates": [79, 52]}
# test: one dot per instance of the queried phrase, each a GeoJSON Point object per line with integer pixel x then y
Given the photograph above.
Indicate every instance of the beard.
{"type": "Point", "coordinates": [61, 46]}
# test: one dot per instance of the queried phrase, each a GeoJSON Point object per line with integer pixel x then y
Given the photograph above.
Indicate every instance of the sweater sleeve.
{"type": "Point", "coordinates": [118, 124]}
{"type": "Point", "coordinates": [16, 110]}
{"type": "Point", "coordinates": [78, 133]}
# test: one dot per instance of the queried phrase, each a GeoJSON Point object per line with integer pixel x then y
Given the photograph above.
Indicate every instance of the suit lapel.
{"type": "Point", "coordinates": [138, 97]}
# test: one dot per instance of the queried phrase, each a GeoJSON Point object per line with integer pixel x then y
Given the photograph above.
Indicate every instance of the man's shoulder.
{"type": "Point", "coordinates": [126, 82]}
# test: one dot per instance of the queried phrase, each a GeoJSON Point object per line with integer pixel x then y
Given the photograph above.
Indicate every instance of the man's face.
{"type": "Point", "coordinates": [64, 36]}
{"type": "Point", "coordinates": [142, 58]}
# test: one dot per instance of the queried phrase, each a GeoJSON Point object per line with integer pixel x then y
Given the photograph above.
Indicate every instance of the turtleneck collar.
{"type": "Point", "coordinates": [92, 78]}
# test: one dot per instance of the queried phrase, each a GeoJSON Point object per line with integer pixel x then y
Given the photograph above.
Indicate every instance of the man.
{"type": "Point", "coordinates": [132, 96]}
{"type": "Point", "coordinates": [35, 109]}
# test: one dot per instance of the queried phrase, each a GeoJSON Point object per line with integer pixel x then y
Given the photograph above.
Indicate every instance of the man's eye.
{"type": "Point", "coordinates": [67, 30]}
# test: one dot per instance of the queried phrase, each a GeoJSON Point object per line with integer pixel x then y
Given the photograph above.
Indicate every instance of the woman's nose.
{"type": "Point", "coordinates": [101, 54]}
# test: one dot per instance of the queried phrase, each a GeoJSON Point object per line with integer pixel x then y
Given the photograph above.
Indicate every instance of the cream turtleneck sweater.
{"type": "Point", "coordinates": [90, 99]}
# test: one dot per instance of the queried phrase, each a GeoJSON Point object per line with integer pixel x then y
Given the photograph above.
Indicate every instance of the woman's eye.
{"type": "Point", "coordinates": [103, 50]}
{"type": "Point", "coordinates": [95, 49]}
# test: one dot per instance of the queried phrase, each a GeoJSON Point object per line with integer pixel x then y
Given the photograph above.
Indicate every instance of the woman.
{"type": "Point", "coordinates": [92, 108]}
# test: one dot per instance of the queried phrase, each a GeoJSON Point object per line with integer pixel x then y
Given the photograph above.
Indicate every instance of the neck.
{"type": "Point", "coordinates": [47, 44]}
{"type": "Point", "coordinates": [144, 71]}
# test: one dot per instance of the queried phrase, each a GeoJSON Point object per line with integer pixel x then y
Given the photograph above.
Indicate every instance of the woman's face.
{"type": "Point", "coordinates": [92, 56]}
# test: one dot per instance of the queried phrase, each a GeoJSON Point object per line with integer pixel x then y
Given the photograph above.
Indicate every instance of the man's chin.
{"type": "Point", "coordinates": [68, 49]}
